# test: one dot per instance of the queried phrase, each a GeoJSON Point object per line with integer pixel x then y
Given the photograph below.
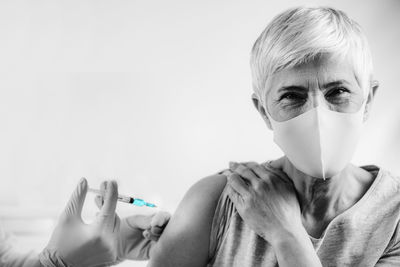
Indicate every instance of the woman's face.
{"type": "Point", "coordinates": [327, 81]}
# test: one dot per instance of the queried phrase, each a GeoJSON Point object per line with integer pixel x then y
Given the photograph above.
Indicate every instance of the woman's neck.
{"type": "Point", "coordinates": [323, 199]}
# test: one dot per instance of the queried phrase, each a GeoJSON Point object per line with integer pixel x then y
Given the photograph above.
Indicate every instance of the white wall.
{"type": "Point", "coordinates": [155, 94]}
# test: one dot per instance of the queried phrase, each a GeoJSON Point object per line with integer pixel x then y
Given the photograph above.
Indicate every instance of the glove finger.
{"type": "Point", "coordinates": [147, 235]}
{"type": "Point", "coordinates": [99, 201]}
{"type": "Point", "coordinates": [161, 219]}
{"type": "Point", "coordinates": [103, 186]}
{"type": "Point", "coordinates": [107, 212]}
{"type": "Point", "coordinates": [117, 223]}
{"type": "Point", "coordinates": [156, 230]}
{"type": "Point", "coordinates": [139, 221]}
{"type": "Point", "coordinates": [75, 203]}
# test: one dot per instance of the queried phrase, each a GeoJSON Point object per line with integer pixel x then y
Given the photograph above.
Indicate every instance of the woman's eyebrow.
{"type": "Point", "coordinates": [335, 83]}
{"type": "Point", "coordinates": [292, 88]}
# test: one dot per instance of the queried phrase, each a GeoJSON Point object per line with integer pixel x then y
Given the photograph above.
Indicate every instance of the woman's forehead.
{"type": "Point", "coordinates": [320, 72]}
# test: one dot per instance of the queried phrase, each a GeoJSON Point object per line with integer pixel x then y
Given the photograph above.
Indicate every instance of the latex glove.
{"type": "Point", "coordinates": [74, 243]}
{"type": "Point", "coordinates": [138, 233]}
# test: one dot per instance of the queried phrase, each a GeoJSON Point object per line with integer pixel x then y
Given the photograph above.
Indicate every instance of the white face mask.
{"type": "Point", "coordinates": [319, 142]}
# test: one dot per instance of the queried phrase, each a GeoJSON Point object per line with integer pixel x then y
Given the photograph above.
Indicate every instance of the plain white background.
{"type": "Point", "coordinates": [154, 94]}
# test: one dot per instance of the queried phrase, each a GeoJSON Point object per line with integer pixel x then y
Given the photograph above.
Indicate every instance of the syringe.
{"type": "Point", "coordinates": [131, 200]}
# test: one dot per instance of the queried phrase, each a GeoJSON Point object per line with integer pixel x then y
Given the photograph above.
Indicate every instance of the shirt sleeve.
{"type": "Point", "coordinates": [10, 257]}
{"type": "Point", "coordinates": [391, 258]}
{"type": "Point", "coordinates": [222, 216]}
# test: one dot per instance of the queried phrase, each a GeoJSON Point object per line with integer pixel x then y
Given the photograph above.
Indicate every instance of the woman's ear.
{"type": "Point", "coordinates": [261, 110]}
{"type": "Point", "coordinates": [371, 95]}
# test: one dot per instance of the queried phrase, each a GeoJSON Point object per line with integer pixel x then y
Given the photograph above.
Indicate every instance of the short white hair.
{"type": "Point", "coordinates": [302, 34]}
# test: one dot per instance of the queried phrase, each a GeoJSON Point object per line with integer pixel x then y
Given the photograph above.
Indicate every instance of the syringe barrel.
{"type": "Point", "coordinates": [125, 199]}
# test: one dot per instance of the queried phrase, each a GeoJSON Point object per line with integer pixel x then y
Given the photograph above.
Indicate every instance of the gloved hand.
{"type": "Point", "coordinates": [74, 243]}
{"type": "Point", "coordinates": [138, 233]}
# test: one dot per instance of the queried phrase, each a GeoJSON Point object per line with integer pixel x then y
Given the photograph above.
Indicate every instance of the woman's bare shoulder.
{"type": "Point", "coordinates": [212, 184]}
{"type": "Point", "coordinates": [185, 240]}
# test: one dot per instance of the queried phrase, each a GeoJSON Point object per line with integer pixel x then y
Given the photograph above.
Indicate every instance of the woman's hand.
{"type": "Point", "coordinates": [138, 233]}
{"type": "Point", "coordinates": [265, 199]}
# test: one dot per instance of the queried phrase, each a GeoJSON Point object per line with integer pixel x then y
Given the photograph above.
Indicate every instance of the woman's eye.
{"type": "Point", "coordinates": [337, 92]}
{"type": "Point", "coordinates": [291, 97]}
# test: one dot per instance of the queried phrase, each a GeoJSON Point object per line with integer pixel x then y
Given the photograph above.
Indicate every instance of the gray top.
{"type": "Point", "coordinates": [366, 234]}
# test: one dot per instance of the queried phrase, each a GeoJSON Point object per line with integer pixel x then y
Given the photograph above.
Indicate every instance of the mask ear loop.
{"type": "Point", "coordinates": [374, 83]}
{"type": "Point", "coordinates": [363, 105]}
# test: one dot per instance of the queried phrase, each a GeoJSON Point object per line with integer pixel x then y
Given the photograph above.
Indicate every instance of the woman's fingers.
{"type": "Point", "coordinates": [278, 163]}
{"type": "Point", "coordinates": [278, 173]}
{"type": "Point", "coordinates": [259, 170]}
{"type": "Point", "coordinates": [245, 172]}
{"type": "Point", "coordinates": [254, 172]}
{"type": "Point", "coordinates": [238, 184]}
{"type": "Point", "coordinates": [234, 196]}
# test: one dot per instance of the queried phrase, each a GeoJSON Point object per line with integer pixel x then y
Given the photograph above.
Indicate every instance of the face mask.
{"type": "Point", "coordinates": [319, 142]}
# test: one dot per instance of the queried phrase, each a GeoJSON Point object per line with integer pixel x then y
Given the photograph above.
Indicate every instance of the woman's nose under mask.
{"type": "Point", "coordinates": [319, 142]}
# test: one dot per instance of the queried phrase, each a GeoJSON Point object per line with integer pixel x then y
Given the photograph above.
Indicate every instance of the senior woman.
{"type": "Point", "coordinates": [313, 86]}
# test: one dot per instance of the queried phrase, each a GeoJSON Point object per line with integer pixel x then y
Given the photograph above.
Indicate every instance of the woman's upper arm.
{"type": "Point", "coordinates": [185, 240]}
